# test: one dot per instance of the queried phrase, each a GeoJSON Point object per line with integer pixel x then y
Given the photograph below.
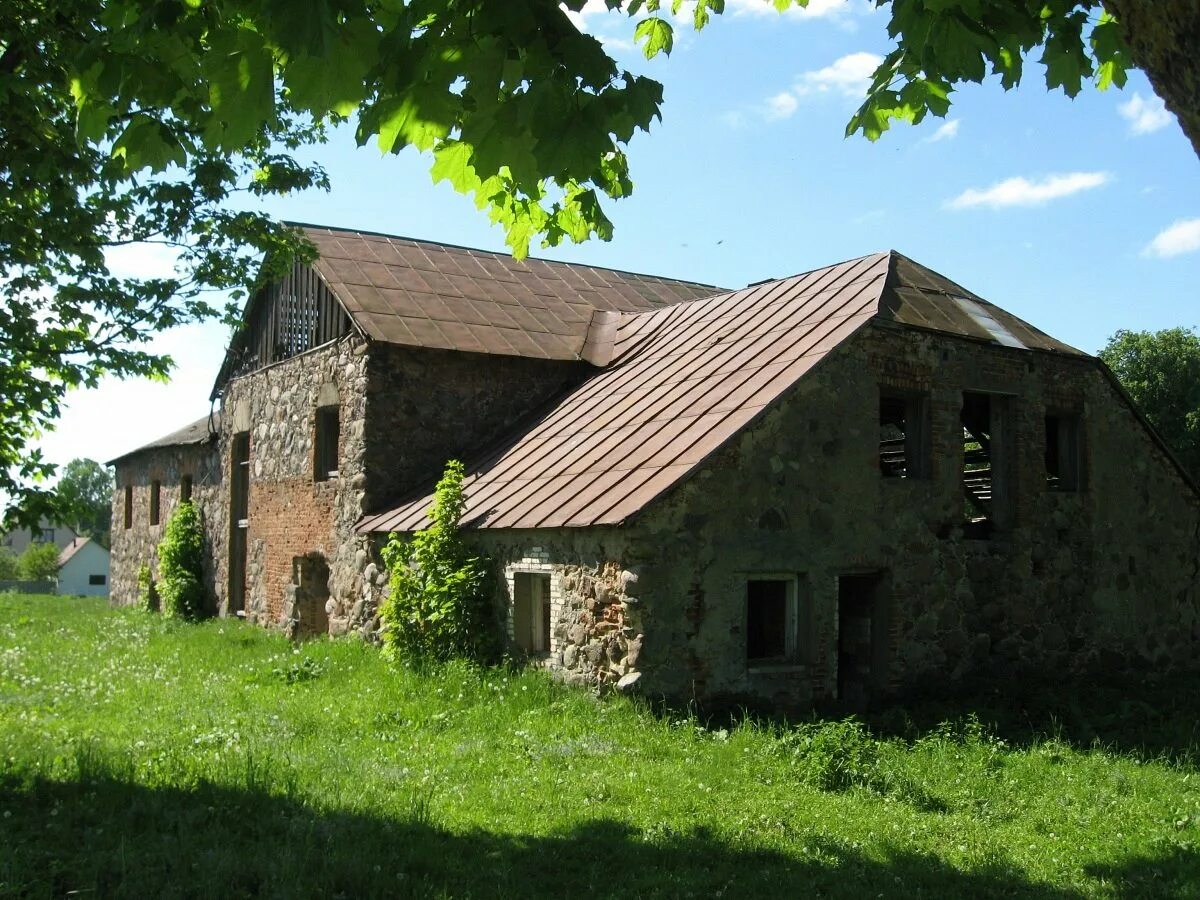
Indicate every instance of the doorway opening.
{"type": "Point", "coordinates": [239, 522]}
{"type": "Point", "coordinates": [862, 638]}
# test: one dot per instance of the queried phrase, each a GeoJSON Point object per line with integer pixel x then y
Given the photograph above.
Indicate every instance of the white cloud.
{"type": "Point", "coordinates": [946, 131]}
{"type": "Point", "coordinates": [142, 260]}
{"type": "Point", "coordinates": [849, 75]}
{"type": "Point", "coordinates": [1024, 192]}
{"type": "Point", "coordinates": [1145, 116]}
{"type": "Point", "coordinates": [781, 106]}
{"type": "Point", "coordinates": [1174, 240]}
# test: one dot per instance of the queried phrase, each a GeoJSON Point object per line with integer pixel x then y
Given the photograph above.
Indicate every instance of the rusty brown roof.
{"type": "Point", "coordinates": [685, 379]}
{"type": "Point", "coordinates": [426, 294]}
{"type": "Point", "coordinates": [198, 432]}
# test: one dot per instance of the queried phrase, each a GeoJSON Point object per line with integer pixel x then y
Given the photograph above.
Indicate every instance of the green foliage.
{"type": "Point", "coordinates": [1161, 372]}
{"type": "Point", "coordinates": [439, 603]}
{"type": "Point", "coordinates": [467, 781]}
{"type": "Point", "coordinates": [181, 564]}
{"type": "Point", "coordinates": [940, 45]}
{"type": "Point", "coordinates": [833, 756]}
{"type": "Point", "coordinates": [147, 596]}
{"type": "Point", "coordinates": [9, 565]}
{"type": "Point", "coordinates": [86, 489]}
{"type": "Point", "coordinates": [39, 562]}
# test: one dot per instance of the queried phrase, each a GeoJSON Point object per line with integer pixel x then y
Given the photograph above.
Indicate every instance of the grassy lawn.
{"type": "Point", "coordinates": [143, 758]}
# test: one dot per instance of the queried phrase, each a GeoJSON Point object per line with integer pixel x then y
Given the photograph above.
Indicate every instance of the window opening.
{"type": "Point", "coordinates": [531, 612]}
{"type": "Point", "coordinates": [1064, 458]}
{"type": "Point", "coordinates": [985, 486]}
{"type": "Point", "coordinates": [775, 632]}
{"type": "Point", "coordinates": [185, 489]}
{"type": "Point", "coordinates": [128, 506]}
{"type": "Point", "coordinates": [903, 435]}
{"type": "Point", "coordinates": [155, 498]}
{"type": "Point", "coordinates": [97, 580]}
{"type": "Point", "coordinates": [325, 449]}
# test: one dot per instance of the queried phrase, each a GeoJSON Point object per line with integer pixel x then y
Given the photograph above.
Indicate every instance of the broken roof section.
{"type": "Point", "coordinates": [425, 294]}
{"type": "Point", "coordinates": [199, 432]}
{"type": "Point", "coordinates": [685, 379]}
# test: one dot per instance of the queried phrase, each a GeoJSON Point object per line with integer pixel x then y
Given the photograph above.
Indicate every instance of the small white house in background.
{"type": "Point", "coordinates": [83, 569]}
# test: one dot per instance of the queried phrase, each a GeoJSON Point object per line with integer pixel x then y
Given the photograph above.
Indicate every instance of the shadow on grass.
{"type": "Point", "coordinates": [105, 837]}
{"type": "Point", "coordinates": [1145, 715]}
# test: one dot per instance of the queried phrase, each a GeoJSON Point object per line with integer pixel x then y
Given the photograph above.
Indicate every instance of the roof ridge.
{"type": "Point", "coordinates": [552, 262]}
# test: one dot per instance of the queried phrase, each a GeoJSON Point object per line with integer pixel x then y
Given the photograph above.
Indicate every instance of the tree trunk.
{"type": "Point", "coordinates": [1164, 42]}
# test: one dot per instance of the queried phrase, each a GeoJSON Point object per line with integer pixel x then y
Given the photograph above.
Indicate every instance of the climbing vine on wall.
{"type": "Point", "coordinates": [181, 564]}
{"type": "Point", "coordinates": [439, 596]}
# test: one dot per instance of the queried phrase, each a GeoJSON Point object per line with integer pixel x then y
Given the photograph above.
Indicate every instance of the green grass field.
{"type": "Point", "coordinates": [143, 758]}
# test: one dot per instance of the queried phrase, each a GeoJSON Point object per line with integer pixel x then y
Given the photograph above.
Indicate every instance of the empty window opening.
{"type": "Point", "coordinates": [185, 489]}
{"type": "Point", "coordinates": [531, 612]}
{"type": "Point", "coordinates": [903, 435]}
{"type": "Point", "coordinates": [1064, 457]}
{"type": "Point", "coordinates": [128, 511]}
{"type": "Point", "coordinates": [97, 580]}
{"type": "Point", "coordinates": [325, 450]}
{"type": "Point", "coordinates": [155, 501]}
{"type": "Point", "coordinates": [862, 638]}
{"type": "Point", "coordinates": [43, 535]}
{"type": "Point", "coordinates": [985, 485]}
{"type": "Point", "coordinates": [776, 630]}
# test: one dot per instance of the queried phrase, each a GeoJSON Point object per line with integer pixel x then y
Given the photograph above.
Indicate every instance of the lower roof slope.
{"type": "Point", "coordinates": [686, 379]}
{"type": "Point", "coordinates": [199, 432]}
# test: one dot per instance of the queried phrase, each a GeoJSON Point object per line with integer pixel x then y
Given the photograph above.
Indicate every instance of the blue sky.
{"type": "Point", "coordinates": [1080, 216]}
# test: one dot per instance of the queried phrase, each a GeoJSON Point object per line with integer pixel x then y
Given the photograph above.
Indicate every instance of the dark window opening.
{"type": "Point", "coordinates": [97, 580]}
{"type": "Point", "coordinates": [185, 489]}
{"type": "Point", "coordinates": [128, 511]}
{"type": "Point", "coordinates": [531, 612]}
{"type": "Point", "coordinates": [903, 436]}
{"type": "Point", "coordinates": [1064, 457]}
{"type": "Point", "coordinates": [155, 498]}
{"type": "Point", "coordinates": [985, 455]}
{"type": "Point", "coordinates": [43, 535]}
{"type": "Point", "coordinates": [771, 620]}
{"type": "Point", "coordinates": [325, 450]}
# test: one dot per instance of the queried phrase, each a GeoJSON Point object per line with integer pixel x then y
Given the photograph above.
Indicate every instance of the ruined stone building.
{"type": "Point", "coordinates": [842, 484]}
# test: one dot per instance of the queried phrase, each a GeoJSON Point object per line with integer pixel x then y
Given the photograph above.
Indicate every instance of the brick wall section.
{"type": "Point", "coordinates": [290, 513]}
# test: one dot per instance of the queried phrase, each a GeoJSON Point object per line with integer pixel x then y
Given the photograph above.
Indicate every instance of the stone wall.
{"type": "Point", "coordinates": [1071, 579]}
{"type": "Point", "coordinates": [596, 622]}
{"type": "Point", "coordinates": [292, 516]}
{"type": "Point", "coordinates": [425, 407]}
{"type": "Point", "coordinates": [137, 545]}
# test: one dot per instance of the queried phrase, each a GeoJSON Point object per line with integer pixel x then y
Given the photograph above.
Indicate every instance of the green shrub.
{"type": "Point", "coordinates": [181, 564]}
{"type": "Point", "coordinates": [147, 592]}
{"type": "Point", "coordinates": [39, 562]}
{"type": "Point", "coordinates": [439, 597]}
{"type": "Point", "coordinates": [9, 567]}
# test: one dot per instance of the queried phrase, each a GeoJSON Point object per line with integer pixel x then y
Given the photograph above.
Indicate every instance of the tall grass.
{"type": "Point", "coordinates": [141, 757]}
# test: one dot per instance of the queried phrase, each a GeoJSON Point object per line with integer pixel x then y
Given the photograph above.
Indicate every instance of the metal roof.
{"type": "Point", "coordinates": [198, 432]}
{"type": "Point", "coordinates": [425, 294]}
{"type": "Point", "coordinates": [685, 379]}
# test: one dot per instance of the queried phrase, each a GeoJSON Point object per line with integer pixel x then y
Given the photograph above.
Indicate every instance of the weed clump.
{"type": "Point", "coordinates": [147, 595]}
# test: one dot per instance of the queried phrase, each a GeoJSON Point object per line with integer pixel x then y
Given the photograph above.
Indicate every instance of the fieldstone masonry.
{"type": "Point", "coordinates": [1105, 575]}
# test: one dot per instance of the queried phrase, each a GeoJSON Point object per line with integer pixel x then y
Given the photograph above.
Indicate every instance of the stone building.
{"type": "Point", "coordinates": [837, 485]}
